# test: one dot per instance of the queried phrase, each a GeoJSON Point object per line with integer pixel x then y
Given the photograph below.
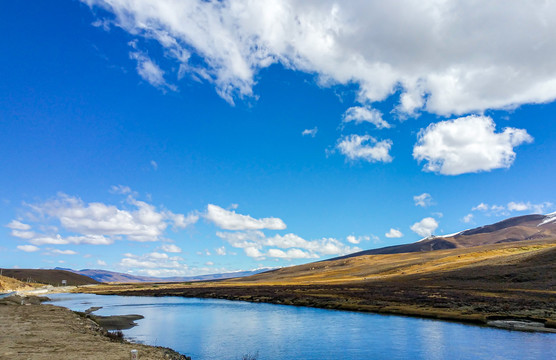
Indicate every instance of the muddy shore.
{"type": "Point", "coordinates": [31, 330]}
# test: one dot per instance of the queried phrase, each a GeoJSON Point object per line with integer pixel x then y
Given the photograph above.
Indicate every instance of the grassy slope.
{"type": "Point", "coordinates": [9, 284]}
{"type": "Point", "coordinates": [509, 280]}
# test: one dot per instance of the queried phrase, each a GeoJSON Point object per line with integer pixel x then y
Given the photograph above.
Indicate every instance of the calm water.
{"type": "Point", "coordinates": [208, 329]}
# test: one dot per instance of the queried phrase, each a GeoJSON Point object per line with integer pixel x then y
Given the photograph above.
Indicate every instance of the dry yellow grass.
{"type": "Point", "coordinates": [8, 284]}
{"type": "Point", "coordinates": [370, 267]}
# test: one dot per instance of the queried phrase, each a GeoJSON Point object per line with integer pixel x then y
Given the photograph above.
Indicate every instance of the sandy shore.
{"type": "Point", "coordinates": [34, 331]}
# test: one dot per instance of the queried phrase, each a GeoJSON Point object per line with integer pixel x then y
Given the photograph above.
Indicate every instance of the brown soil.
{"type": "Point", "coordinates": [51, 332]}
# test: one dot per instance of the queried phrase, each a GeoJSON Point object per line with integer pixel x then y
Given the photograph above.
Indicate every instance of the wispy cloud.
{"type": "Point", "coordinates": [512, 206]}
{"type": "Point", "coordinates": [423, 200]}
{"type": "Point", "coordinates": [310, 132]}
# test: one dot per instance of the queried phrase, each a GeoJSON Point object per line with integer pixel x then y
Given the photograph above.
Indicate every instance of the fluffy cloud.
{"type": "Point", "coordinates": [221, 251]}
{"type": "Point", "coordinates": [527, 206]}
{"type": "Point", "coordinates": [393, 233]}
{"type": "Point", "coordinates": [423, 200]}
{"type": "Point", "coordinates": [425, 227]}
{"type": "Point", "coordinates": [365, 147]}
{"type": "Point", "coordinates": [443, 62]}
{"type": "Point", "coordinates": [467, 145]}
{"type": "Point", "coordinates": [254, 242]}
{"type": "Point", "coordinates": [230, 220]}
{"type": "Point", "coordinates": [171, 248]}
{"type": "Point", "coordinates": [97, 220]}
{"type": "Point", "coordinates": [98, 223]}
{"type": "Point", "coordinates": [357, 239]}
{"type": "Point", "coordinates": [480, 207]}
{"type": "Point", "coordinates": [311, 132]}
{"type": "Point", "coordinates": [18, 225]}
{"type": "Point", "coordinates": [28, 248]}
{"type": "Point", "coordinates": [361, 114]}
{"type": "Point", "coordinates": [467, 218]}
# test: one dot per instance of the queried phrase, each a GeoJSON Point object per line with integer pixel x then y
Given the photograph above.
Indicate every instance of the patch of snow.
{"type": "Point", "coordinates": [548, 218]}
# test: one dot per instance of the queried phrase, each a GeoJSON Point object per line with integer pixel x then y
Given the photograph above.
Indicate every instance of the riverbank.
{"type": "Point", "coordinates": [31, 330]}
{"type": "Point", "coordinates": [510, 285]}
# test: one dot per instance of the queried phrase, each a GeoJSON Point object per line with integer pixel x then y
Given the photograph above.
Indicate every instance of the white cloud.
{"type": "Point", "coordinates": [311, 132]}
{"type": "Point", "coordinates": [365, 147]}
{"type": "Point", "coordinates": [497, 210]}
{"type": "Point", "coordinates": [181, 221]}
{"type": "Point", "coordinates": [230, 220]}
{"type": "Point", "coordinates": [63, 252]}
{"type": "Point", "coordinates": [361, 114]}
{"type": "Point", "coordinates": [101, 262]}
{"type": "Point", "coordinates": [423, 200]}
{"type": "Point", "coordinates": [154, 165]}
{"type": "Point", "coordinates": [57, 239]}
{"type": "Point", "coordinates": [100, 224]}
{"type": "Point", "coordinates": [153, 261]}
{"type": "Point", "coordinates": [28, 248]}
{"type": "Point", "coordinates": [291, 254]}
{"type": "Point", "coordinates": [443, 62]}
{"type": "Point", "coordinates": [393, 233]}
{"type": "Point", "coordinates": [120, 189]}
{"type": "Point", "coordinates": [467, 145]}
{"type": "Point", "coordinates": [18, 225]}
{"type": "Point", "coordinates": [357, 239]}
{"type": "Point", "coordinates": [171, 248]}
{"type": "Point", "coordinates": [23, 234]}
{"type": "Point", "coordinates": [254, 242]}
{"type": "Point", "coordinates": [221, 251]}
{"type": "Point", "coordinates": [528, 206]}
{"type": "Point", "coordinates": [253, 252]}
{"type": "Point", "coordinates": [209, 263]}
{"type": "Point", "coordinates": [467, 218]}
{"type": "Point", "coordinates": [425, 227]}
{"type": "Point", "coordinates": [480, 207]}
{"type": "Point", "coordinates": [150, 71]}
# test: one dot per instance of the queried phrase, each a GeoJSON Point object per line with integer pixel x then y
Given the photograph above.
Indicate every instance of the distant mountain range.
{"type": "Point", "coordinates": [528, 227]}
{"type": "Point", "coordinates": [106, 276]}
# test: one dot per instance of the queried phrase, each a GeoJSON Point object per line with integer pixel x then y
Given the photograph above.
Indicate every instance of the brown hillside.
{"type": "Point", "coordinates": [9, 284]}
{"type": "Point", "coordinates": [519, 228]}
{"type": "Point", "coordinates": [50, 277]}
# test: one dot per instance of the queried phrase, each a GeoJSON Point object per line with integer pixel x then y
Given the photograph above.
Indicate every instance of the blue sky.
{"type": "Point", "coordinates": [189, 137]}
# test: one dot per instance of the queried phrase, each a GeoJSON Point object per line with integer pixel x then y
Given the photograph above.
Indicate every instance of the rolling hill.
{"type": "Point", "coordinates": [527, 227]}
{"type": "Point", "coordinates": [50, 277]}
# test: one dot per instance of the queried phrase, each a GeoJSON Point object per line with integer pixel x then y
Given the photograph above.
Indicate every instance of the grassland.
{"type": "Point", "coordinates": [483, 285]}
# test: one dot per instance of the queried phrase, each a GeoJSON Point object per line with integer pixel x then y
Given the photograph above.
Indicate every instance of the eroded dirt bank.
{"type": "Point", "coordinates": [34, 331]}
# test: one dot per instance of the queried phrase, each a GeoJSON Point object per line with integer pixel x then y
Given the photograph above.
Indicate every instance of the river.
{"type": "Point", "coordinates": [209, 329]}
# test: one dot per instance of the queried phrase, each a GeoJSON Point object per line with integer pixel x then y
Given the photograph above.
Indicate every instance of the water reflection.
{"type": "Point", "coordinates": [218, 329]}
